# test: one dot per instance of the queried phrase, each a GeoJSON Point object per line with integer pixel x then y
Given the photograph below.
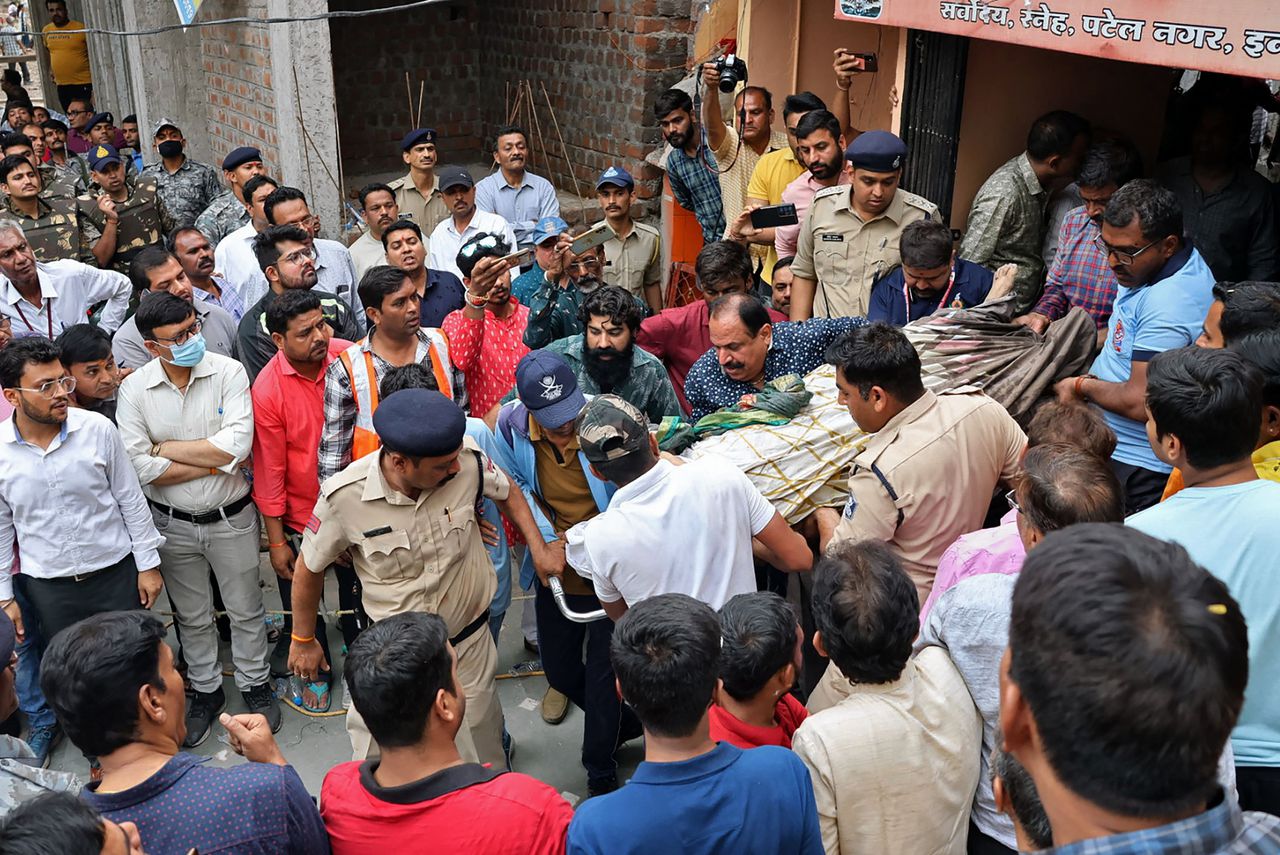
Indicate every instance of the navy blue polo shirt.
{"type": "Point", "coordinates": [445, 294]}
{"type": "Point", "coordinates": [756, 802]}
{"type": "Point", "coordinates": [251, 809]}
{"type": "Point", "coordinates": [889, 304]}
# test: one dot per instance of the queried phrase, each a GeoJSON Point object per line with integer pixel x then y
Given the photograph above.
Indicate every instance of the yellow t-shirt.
{"type": "Point", "coordinates": [68, 54]}
{"type": "Point", "coordinates": [773, 172]}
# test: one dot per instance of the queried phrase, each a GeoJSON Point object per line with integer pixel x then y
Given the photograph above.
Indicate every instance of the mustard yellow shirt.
{"type": "Point", "coordinates": [68, 54]}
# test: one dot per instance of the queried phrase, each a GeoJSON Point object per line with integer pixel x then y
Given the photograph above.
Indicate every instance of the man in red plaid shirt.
{"type": "Point", "coordinates": [1080, 275]}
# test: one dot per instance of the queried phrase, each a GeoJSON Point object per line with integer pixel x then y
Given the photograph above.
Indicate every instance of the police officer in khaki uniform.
{"type": "Point", "coordinates": [418, 194]}
{"type": "Point", "coordinates": [408, 516]}
{"type": "Point", "coordinates": [49, 224]}
{"type": "Point", "coordinates": [119, 217]}
{"type": "Point", "coordinates": [849, 238]}
{"type": "Point", "coordinates": [633, 256]}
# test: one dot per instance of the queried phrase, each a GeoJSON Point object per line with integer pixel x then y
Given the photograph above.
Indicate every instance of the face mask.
{"type": "Point", "coordinates": [170, 148]}
{"type": "Point", "coordinates": [189, 353]}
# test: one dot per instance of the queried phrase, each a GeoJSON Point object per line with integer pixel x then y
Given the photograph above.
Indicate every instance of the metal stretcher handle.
{"type": "Point", "coordinates": [557, 594]}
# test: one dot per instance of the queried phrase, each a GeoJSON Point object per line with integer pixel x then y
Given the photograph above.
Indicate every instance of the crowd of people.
{"type": "Point", "coordinates": [1054, 635]}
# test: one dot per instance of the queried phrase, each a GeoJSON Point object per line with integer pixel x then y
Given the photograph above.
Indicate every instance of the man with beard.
{"type": "Point", "coordinates": [66, 163]}
{"type": "Point", "coordinates": [439, 290]}
{"type": "Point", "coordinates": [555, 308]}
{"type": "Point", "coordinates": [186, 187]}
{"type": "Point", "coordinates": [1166, 288]}
{"type": "Point", "coordinates": [378, 203]}
{"type": "Point", "coordinates": [605, 359]}
{"type": "Point", "coordinates": [748, 350]}
{"type": "Point", "coordinates": [1079, 275]}
{"type": "Point", "coordinates": [849, 238]}
{"type": "Point", "coordinates": [486, 336]}
{"type": "Point", "coordinates": [820, 146]}
{"type": "Point", "coordinates": [288, 261]}
{"type": "Point", "coordinates": [513, 193]}
{"type": "Point", "coordinates": [335, 271]}
{"type": "Point", "coordinates": [464, 222]}
{"type": "Point", "coordinates": [195, 254]}
{"type": "Point", "coordinates": [633, 256]}
{"type": "Point", "coordinates": [691, 167]}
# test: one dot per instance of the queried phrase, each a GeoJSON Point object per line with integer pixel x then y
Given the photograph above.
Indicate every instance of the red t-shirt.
{"type": "Point", "coordinates": [464, 809]}
{"type": "Point", "coordinates": [788, 714]}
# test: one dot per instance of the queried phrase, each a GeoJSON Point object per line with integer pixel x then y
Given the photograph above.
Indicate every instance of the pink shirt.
{"type": "Point", "coordinates": [486, 350]}
{"type": "Point", "coordinates": [987, 550]}
{"type": "Point", "coordinates": [800, 193]}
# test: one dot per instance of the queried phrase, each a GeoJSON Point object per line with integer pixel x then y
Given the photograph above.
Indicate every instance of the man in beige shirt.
{"type": "Point", "coordinates": [378, 203]}
{"type": "Point", "coordinates": [407, 513]}
{"type": "Point", "coordinates": [418, 194]}
{"type": "Point", "coordinates": [633, 256]}
{"type": "Point", "coordinates": [849, 237]}
{"type": "Point", "coordinates": [928, 473]}
{"type": "Point", "coordinates": [893, 741]}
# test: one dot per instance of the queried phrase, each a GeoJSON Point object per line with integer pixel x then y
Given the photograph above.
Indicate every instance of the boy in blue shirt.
{"type": "Point", "coordinates": [1205, 410]}
{"type": "Point", "coordinates": [691, 795]}
{"type": "Point", "coordinates": [1165, 292]}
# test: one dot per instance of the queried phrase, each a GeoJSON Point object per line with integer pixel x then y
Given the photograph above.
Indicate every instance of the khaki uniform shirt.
{"type": "Point", "coordinates": [54, 233]}
{"type": "Point", "coordinates": [928, 476]}
{"type": "Point", "coordinates": [844, 255]}
{"type": "Point", "coordinates": [634, 261]}
{"type": "Point", "coordinates": [423, 554]}
{"type": "Point", "coordinates": [427, 211]}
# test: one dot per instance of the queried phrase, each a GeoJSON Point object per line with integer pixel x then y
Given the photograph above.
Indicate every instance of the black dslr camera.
{"type": "Point", "coordinates": [732, 72]}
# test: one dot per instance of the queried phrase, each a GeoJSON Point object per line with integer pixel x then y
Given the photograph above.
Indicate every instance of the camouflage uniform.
{"type": "Point", "coordinates": [75, 171]}
{"type": "Point", "coordinates": [187, 191]}
{"type": "Point", "coordinates": [21, 780]}
{"type": "Point", "coordinates": [60, 184]}
{"type": "Point", "coordinates": [1007, 224]}
{"type": "Point", "coordinates": [224, 215]}
{"type": "Point", "coordinates": [54, 234]}
{"type": "Point", "coordinates": [144, 221]}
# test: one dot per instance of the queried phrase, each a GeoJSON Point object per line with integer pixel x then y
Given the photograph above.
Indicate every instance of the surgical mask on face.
{"type": "Point", "coordinates": [189, 353]}
{"type": "Point", "coordinates": [170, 148]}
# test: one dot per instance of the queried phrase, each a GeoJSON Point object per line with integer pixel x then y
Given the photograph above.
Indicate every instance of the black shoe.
{"type": "Point", "coordinates": [531, 647]}
{"type": "Point", "coordinates": [601, 786]}
{"type": "Point", "coordinates": [280, 657]}
{"type": "Point", "coordinates": [260, 699]}
{"type": "Point", "coordinates": [202, 709]}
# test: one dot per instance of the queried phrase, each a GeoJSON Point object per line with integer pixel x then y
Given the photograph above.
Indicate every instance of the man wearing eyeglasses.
{"type": "Point", "coordinates": [69, 500]}
{"type": "Point", "coordinates": [1165, 292]}
{"type": "Point", "coordinates": [335, 269]}
{"type": "Point", "coordinates": [186, 418]}
{"type": "Point", "coordinates": [288, 260]}
{"type": "Point", "coordinates": [465, 221]}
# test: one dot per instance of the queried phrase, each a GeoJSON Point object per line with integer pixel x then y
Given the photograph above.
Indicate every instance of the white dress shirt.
{"type": "Point", "coordinates": [216, 407]}
{"type": "Point", "coordinates": [235, 262]}
{"type": "Point", "coordinates": [73, 508]}
{"type": "Point", "coordinates": [335, 271]}
{"type": "Point", "coordinates": [633, 551]}
{"type": "Point", "coordinates": [67, 289]}
{"type": "Point", "coordinates": [446, 241]}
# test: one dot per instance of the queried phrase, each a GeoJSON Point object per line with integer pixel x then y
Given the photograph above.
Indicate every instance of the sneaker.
{"type": "Point", "coordinates": [508, 747]}
{"type": "Point", "coordinates": [42, 741]}
{"type": "Point", "coordinates": [260, 699]}
{"type": "Point", "coordinates": [202, 710]}
{"type": "Point", "coordinates": [280, 657]}
{"type": "Point", "coordinates": [555, 706]}
{"type": "Point", "coordinates": [601, 786]}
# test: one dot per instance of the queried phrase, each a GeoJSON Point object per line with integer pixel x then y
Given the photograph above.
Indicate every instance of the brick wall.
{"type": "Point", "coordinates": [236, 60]}
{"type": "Point", "coordinates": [601, 61]}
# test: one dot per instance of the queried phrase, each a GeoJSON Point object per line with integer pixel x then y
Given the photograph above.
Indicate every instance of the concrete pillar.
{"type": "Point", "coordinates": [109, 59]}
{"type": "Point", "coordinates": [170, 79]}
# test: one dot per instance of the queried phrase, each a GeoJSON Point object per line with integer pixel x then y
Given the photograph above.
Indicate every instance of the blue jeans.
{"type": "Point", "coordinates": [500, 555]}
{"type": "Point", "coordinates": [30, 698]}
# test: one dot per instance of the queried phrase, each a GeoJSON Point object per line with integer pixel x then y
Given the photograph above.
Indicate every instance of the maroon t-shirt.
{"type": "Point", "coordinates": [465, 809]}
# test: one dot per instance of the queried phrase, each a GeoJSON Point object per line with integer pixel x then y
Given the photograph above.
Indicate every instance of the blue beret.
{"type": "Point", "coordinates": [877, 151]}
{"type": "Point", "coordinates": [240, 156]}
{"type": "Point", "coordinates": [416, 137]}
{"type": "Point", "coordinates": [419, 423]}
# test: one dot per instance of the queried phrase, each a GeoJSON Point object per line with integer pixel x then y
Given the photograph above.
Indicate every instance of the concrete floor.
{"type": "Point", "coordinates": [316, 744]}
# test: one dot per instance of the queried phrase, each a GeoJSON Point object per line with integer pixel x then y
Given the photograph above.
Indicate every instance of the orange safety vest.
{"type": "Point", "coordinates": [364, 387]}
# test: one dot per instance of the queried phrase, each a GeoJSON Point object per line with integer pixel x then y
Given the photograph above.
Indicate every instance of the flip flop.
{"type": "Point", "coordinates": [316, 697]}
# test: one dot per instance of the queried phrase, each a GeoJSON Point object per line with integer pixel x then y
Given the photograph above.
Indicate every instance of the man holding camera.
{"type": "Point", "coordinates": [738, 150]}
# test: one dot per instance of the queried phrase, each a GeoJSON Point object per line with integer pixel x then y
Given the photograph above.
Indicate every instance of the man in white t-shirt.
{"type": "Point", "coordinates": [670, 529]}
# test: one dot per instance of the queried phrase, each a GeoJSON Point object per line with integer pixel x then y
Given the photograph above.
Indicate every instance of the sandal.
{"type": "Point", "coordinates": [316, 697]}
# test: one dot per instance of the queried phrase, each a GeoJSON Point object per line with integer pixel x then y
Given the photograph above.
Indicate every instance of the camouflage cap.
{"type": "Point", "coordinates": [610, 428]}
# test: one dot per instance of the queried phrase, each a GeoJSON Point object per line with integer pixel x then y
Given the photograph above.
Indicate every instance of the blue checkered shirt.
{"type": "Point", "coordinates": [1221, 830]}
{"type": "Point", "coordinates": [696, 185]}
